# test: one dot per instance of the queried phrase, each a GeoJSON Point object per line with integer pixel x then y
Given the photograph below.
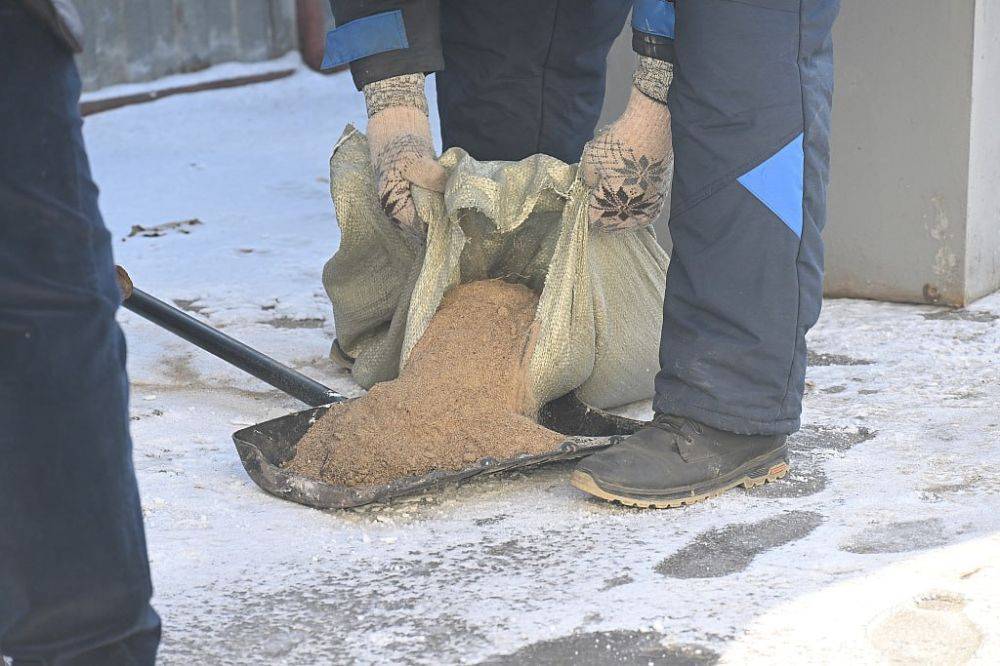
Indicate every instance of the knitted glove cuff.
{"type": "Point", "coordinates": [406, 90]}
{"type": "Point", "coordinates": [653, 77]}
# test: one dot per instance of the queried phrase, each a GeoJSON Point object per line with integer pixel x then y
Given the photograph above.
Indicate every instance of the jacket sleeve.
{"type": "Point", "coordinates": [653, 29]}
{"type": "Point", "coordinates": [384, 38]}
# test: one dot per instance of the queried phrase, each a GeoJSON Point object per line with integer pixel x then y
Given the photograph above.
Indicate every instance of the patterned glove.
{"type": "Point", "coordinates": [629, 164]}
{"type": "Point", "coordinates": [399, 137]}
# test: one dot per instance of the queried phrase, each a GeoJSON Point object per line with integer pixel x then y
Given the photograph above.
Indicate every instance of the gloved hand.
{"type": "Point", "coordinates": [399, 137]}
{"type": "Point", "coordinates": [629, 164]}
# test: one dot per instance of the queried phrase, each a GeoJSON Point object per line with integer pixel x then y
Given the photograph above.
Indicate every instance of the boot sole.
{"type": "Point", "coordinates": [757, 476]}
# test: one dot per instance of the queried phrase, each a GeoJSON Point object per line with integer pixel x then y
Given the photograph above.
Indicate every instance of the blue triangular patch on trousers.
{"type": "Point", "coordinates": [777, 183]}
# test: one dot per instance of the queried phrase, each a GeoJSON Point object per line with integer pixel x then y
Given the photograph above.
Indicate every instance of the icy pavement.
{"type": "Point", "coordinates": [883, 543]}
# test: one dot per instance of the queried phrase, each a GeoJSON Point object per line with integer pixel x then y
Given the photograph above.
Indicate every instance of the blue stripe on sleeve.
{"type": "Point", "coordinates": [654, 17]}
{"type": "Point", "coordinates": [363, 37]}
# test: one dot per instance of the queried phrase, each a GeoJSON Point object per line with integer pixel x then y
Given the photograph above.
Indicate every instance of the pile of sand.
{"type": "Point", "coordinates": [461, 397]}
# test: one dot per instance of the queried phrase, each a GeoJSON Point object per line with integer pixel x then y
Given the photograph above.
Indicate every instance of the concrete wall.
{"type": "Point", "coordinates": [914, 202]}
{"type": "Point", "coordinates": [982, 265]}
{"type": "Point", "coordinates": [139, 40]}
{"type": "Point", "coordinates": [900, 153]}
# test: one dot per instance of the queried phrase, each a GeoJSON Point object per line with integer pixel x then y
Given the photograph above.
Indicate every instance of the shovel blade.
{"type": "Point", "coordinates": [264, 449]}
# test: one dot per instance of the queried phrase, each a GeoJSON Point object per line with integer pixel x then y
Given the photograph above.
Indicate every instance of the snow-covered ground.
{"type": "Point", "coordinates": [882, 546]}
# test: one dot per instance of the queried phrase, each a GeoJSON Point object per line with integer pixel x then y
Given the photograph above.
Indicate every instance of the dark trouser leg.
{"type": "Point", "coordinates": [74, 578]}
{"type": "Point", "coordinates": [751, 121]}
{"type": "Point", "coordinates": [524, 76]}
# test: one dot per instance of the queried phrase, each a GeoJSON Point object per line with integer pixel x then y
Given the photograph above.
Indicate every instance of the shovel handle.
{"type": "Point", "coordinates": [222, 346]}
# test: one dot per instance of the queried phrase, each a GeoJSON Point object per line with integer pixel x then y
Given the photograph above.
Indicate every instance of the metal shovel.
{"type": "Point", "coordinates": [264, 448]}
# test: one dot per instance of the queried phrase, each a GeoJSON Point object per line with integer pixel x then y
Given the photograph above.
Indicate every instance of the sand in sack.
{"type": "Point", "coordinates": [461, 397]}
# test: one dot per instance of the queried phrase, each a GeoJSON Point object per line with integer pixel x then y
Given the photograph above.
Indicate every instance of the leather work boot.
{"type": "Point", "coordinates": [675, 461]}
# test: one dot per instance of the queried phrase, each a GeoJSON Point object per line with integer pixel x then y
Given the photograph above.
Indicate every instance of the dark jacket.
{"type": "Point", "coordinates": [385, 38]}
{"type": "Point", "coordinates": [61, 18]}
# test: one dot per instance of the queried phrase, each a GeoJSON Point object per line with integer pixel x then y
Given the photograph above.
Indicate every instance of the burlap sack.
{"type": "Point", "coordinates": [601, 294]}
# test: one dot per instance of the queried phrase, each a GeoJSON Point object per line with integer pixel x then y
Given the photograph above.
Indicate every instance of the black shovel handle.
{"type": "Point", "coordinates": [219, 344]}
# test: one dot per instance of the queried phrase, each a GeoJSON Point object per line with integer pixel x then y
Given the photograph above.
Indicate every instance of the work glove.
{"type": "Point", "coordinates": [399, 137]}
{"type": "Point", "coordinates": [629, 164]}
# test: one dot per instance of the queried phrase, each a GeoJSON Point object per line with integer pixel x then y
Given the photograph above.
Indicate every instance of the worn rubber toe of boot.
{"type": "Point", "coordinates": [675, 461]}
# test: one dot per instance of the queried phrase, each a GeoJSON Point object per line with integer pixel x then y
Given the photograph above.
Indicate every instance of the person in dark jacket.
{"type": "Point", "coordinates": [750, 86]}
{"type": "Point", "coordinates": [74, 576]}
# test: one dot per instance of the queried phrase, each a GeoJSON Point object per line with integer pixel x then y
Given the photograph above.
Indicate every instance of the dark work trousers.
{"type": "Point", "coordinates": [750, 107]}
{"type": "Point", "coordinates": [524, 76]}
{"type": "Point", "coordinates": [74, 577]}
